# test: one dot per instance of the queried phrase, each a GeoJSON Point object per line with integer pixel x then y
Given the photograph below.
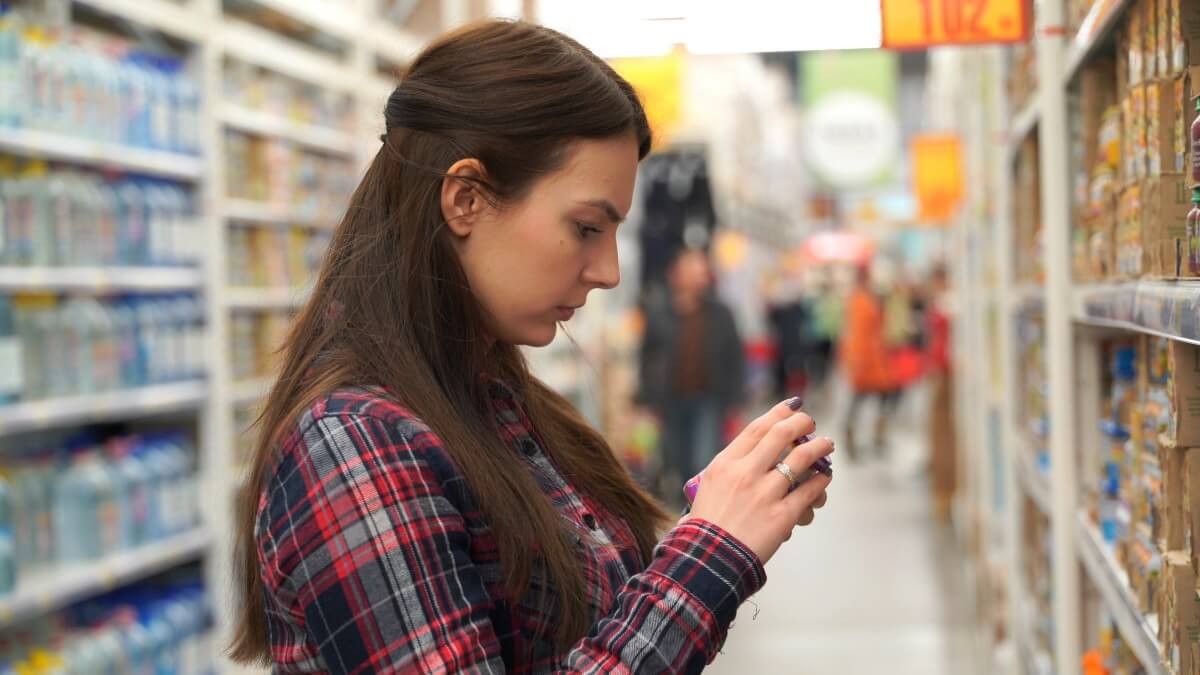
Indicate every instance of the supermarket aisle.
{"type": "Point", "coordinates": [871, 587]}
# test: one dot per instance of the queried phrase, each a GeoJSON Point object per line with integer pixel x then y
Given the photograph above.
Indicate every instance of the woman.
{"type": "Point", "coordinates": [418, 502]}
{"type": "Point", "coordinates": [864, 357]}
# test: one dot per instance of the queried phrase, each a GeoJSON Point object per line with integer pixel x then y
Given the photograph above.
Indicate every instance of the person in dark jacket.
{"type": "Point", "coordinates": [692, 374]}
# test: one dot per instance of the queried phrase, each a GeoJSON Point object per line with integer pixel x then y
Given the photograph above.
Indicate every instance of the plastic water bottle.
{"type": "Point", "coordinates": [132, 239]}
{"type": "Point", "coordinates": [76, 498]}
{"type": "Point", "coordinates": [8, 553]}
{"type": "Point", "coordinates": [187, 111]}
{"type": "Point", "coordinates": [159, 223]}
{"type": "Point", "coordinates": [11, 27]}
{"type": "Point", "coordinates": [12, 360]}
{"type": "Point", "coordinates": [157, 471]}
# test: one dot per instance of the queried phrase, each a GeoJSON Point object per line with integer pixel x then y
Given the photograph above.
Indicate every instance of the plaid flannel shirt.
{"type": "Point", "coordinates": [375, 558]}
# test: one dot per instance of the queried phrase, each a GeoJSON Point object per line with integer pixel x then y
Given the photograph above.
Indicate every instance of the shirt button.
{"type": "Point", "coordinates": [529, 448]}
{"type": "Point", "coordinates": [590, 521]}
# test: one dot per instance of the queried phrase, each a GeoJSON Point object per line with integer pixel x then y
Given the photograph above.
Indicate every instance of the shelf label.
{"type": "Point", "coordinates": [915, 24]}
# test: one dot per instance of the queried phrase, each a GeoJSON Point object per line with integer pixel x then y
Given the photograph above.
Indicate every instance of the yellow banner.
{"type": "Point", "coordinates": [659, 82]}
{"type": "Point", "coordinates": [937, 176]}
{"type": "Point", "coordinates": [914, 24]}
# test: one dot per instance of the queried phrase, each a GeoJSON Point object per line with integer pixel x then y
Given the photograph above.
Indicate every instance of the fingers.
{"type": "Point", "coordinates": [821, 500]}
{"type": "Point", "coordinates": [756, 430]}
{"type": "Point", "coordinates": [804, 497]}
{"type": "Point", "coordinates": [801, 458]}
{"type": "Point", "coordinates": [777, 441]}
{"type": "Point", "coordinates": [807, 518]}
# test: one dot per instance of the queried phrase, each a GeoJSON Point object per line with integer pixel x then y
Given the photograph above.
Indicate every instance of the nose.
{"type": "Point", "coordinates": [604, 269]}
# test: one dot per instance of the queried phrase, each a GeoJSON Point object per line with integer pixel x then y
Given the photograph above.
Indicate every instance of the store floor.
{"type": "Point", "coordinates": [873, 586]}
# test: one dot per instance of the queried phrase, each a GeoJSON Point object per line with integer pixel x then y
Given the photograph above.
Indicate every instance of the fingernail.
{"type": "Point", "coordinates": [795, 403]}
{"type": "Point", "coordinates": [690, 488]}
{"type": "Point", "coordinates": [803, 439]}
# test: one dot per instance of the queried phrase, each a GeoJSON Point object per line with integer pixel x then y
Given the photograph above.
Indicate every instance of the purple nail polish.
{"type": "Point", "coordinates": [795, 403]}
{"type": "Point", "coordinates": [803, 439]}
{"type": "Point", "coordinates": [690, 488]}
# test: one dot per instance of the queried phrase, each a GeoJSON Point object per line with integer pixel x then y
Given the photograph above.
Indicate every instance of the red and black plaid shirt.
{"type": "Point", "coordinates": [375, 558]}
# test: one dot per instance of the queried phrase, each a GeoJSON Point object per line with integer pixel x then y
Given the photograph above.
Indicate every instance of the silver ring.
{"type": "Point", "coordinates": [787, 473]}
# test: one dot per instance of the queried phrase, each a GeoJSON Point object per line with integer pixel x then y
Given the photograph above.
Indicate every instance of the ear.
{"type": "Point", "coordinates": [462, 201]}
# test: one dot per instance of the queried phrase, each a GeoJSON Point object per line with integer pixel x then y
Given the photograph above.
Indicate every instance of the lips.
{"type": "Point", "coordinates": [565, 313]}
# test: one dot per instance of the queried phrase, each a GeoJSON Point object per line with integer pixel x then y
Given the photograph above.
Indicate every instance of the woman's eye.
{"type": "Point", "coordinates": [586, 230]}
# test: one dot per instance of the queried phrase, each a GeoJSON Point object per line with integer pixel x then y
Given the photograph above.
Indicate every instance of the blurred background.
{"type": "Point", "coordinates": [961, 230]}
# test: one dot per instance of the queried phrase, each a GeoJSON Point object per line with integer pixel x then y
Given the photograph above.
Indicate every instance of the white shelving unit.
{"type": "Point", "coordinates": [1034, 483]}
{"type": "Point", "coordinates": [329, 141]}
{"type": "Point", "coordinates": [59, 586]}
{"type": "Point", "coordinates": [208, 37]}
{"type": "Point", "coordinates": [265, 298]}
{"type": "Point", "coordinates": [1139, 632]}
{"type": "Point", "coordinates": [1071, 312]}
{"type": "Point", "coordinates": [99, 279]}
{"type": "Point", "coordinates": [130, 404]}
{"type": "Point", "coordinates": [46, 145]}
{"type": "Point", "coordinates": [261, 213]}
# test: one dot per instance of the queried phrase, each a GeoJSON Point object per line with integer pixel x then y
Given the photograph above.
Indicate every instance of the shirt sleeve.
{"type": "Point", "coordinates": [376, 566]}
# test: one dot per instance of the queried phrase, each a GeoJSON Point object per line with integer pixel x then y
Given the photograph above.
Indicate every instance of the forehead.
{"type": "Point", "coordinates": [596, 169]}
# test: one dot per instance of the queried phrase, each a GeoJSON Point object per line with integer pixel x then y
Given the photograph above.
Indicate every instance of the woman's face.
{"type": "Point", "coordinates": [532, 263]}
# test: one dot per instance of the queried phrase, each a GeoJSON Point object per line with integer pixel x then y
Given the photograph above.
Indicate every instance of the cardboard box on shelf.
{"type": "Point", "coordinates": [1135, 37]}
{"type": "Point", "coordinates": [1166, 201]}
{"type": "Point", "coordinates": [1103, 230]}
{"type": "Point", "coordinates": [1191, 501]}
{"type": "Point", "coordinates": [1129, 238]}
{"type": "Point", "coordinates": [1179, 614]}
{"type": "Point", "coordinates": [1179, 55]}
{"type": "Point", "coordinates": [1149, 11]}
{"type": "Point", "coordinates": [1183, 390]}
{"type": "Point", "coordinates": [1175, 514]}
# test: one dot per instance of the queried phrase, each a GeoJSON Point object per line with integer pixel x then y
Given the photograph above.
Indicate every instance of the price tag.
{"type": "Point", "coordinates": [914, 24]}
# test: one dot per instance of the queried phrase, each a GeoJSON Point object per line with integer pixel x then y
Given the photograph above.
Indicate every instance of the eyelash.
{"type": "Point", "coordinates": [586, 230]}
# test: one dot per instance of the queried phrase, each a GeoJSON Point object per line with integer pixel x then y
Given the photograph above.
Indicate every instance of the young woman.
{"type": "Point", "coordinates": [418, 502]}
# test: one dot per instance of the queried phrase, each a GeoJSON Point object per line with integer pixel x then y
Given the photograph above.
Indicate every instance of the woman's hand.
{"type": "Point", "coordinates": [744, 494]}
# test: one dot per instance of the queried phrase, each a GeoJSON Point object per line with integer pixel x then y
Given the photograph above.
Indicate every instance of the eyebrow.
{"type": "Point", "coordinates": [607, 207]}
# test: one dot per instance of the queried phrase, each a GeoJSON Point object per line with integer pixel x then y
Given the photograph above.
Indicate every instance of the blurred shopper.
{"type": "Point", "coordinates": [692, 369]}
{"type": "Point", "coordinates": [826, 326]}
{"type": "Point", "coordinates": [864, 358]}
{"type": "Point", "coordinates": [789, 316]}
{"type": "Point", "coordinates": [942, 450]}
{"type": "Point", "coordinates": [417, 500]}
{"type": "Point", "coordinates": [903, 336]}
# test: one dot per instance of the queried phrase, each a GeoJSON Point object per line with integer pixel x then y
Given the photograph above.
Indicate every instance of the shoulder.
{"type": "Point", "coordinates": [363, 429]}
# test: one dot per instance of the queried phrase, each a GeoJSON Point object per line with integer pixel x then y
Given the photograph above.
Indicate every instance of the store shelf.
{"type": "Point", "coordinates": [265, 298]}
{"type": "Point", "coordinates": [104, 407]}
{"type": "Point", "coordinates": [1093, 32]}
{"type": "Point", "coordinates": [100, 279]}
{"type": "Point", "coordinates": [251, 391]}
{"type": "Point", "coordinates": [1139, 632]}
{"type": "Point", "coordinates": [59, 586]}
{"type": "Point", "coordinates": [265, 49]}
{"type": "Point", "coordinates": [57, 147]}
{"type": "Point", "coordinates": [329, 17]}
{"type": "Point", "coordinates": [1169, 309]}
{"type": "Point", "coordinates": [1023, 124]}
{"type": "Point", "coordinates": [1035, 483]}
{"type": "Point", "coordinates": [393, 44]}
{"type": "Point", "coordinates": [264, 213]}
{"type": "Point", "coordinates": [325, 139]}
{"type": "Point", "coordinates": [1026, 297]}
{"type": "Point", "coordinates": [169, 17]}
{"type": "Point", "coordinates": [1037, 661]}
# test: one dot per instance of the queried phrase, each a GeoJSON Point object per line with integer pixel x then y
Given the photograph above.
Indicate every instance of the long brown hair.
{"type": "Point", "coordinates": [392, 306]}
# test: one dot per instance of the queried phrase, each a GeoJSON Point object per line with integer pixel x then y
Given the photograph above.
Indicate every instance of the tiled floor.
{"type": "Point", "coordinates": [872, 587]}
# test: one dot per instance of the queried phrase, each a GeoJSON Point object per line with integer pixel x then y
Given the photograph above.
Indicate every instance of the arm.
{"type": "Point", "coordinates": [383, 579]}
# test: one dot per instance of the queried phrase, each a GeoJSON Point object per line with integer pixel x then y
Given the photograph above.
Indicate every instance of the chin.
{"type": "Point", "coordinates": [539, 337]}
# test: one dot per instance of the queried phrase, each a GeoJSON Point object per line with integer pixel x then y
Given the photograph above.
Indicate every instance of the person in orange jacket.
{"type": "Point", "coordinates": [864, 359]}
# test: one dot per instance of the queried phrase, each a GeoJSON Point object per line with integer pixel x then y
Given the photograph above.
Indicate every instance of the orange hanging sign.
{"type": "Point", "coordinates": [916, 24]}
{"type": "Point", "coordinates": [937, 176]}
